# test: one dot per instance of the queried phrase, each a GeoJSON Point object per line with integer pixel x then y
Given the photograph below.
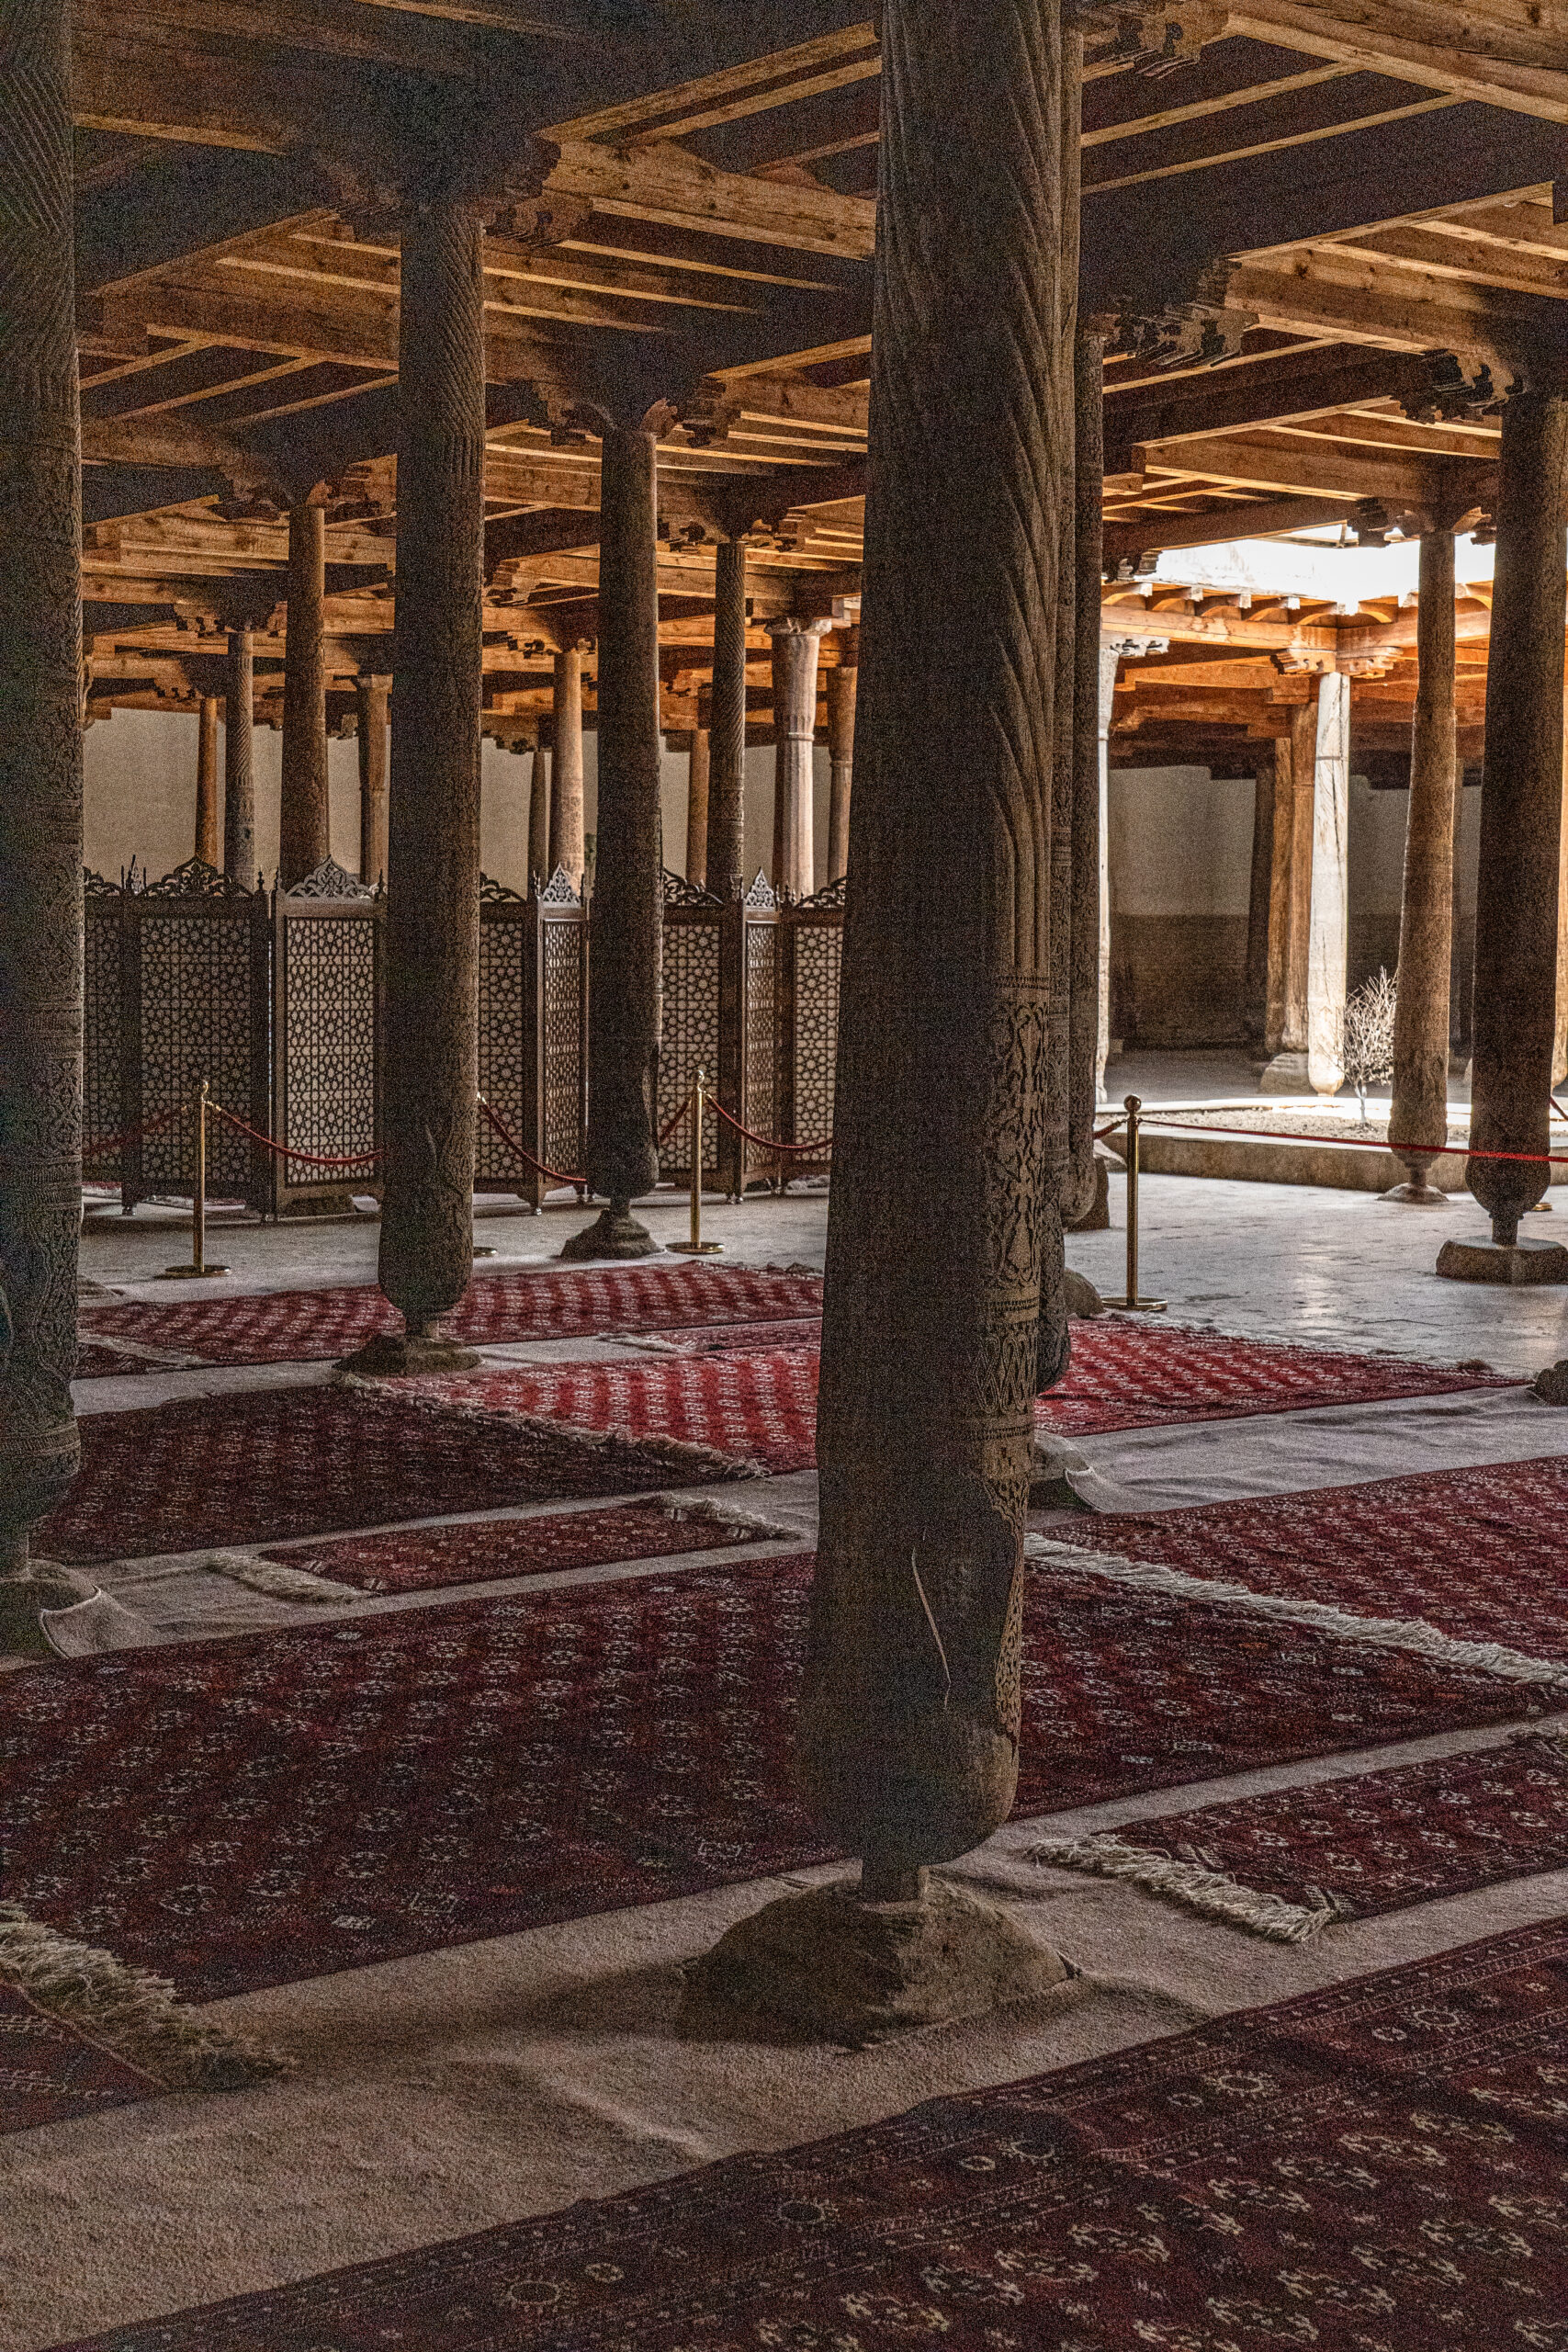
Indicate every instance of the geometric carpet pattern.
{"type": "Point", "coordinates": [300, 1326]}
{"type": "Point", "coordinates": [284, 1461]}
{"type": "Point", "coordinates": [758, 1408]}
{"type": "Point", "coordinates": [1375, 2168]}
{"type": "Point", "coordinates": [424, 1558]}
{"type": "Point", "coordinates": [244, 1812]}
{"type": "Point", "coordinates": [1380, 1842]}
{"type": "Point", "coordinates": [1480, 1553]}
{"type": "Point", "coordinates": [51, 2072]}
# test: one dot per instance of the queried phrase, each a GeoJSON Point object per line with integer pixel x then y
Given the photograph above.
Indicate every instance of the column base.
{"type": "Point", "coordinates": [1513, 1263]}
{"type": "Point", "coordinates": [400, 1356]}
{"type": "Point", "coordinates": [24, 1600]}
{"type": "Point", "coordinates": [337, 1203]}
{"type": "Point", "coordinates": [1286, 1074]}
{"type": "Point", "coordinates": [612, 1234]}
{"type": "Point", "coordinates": [1418, 1196]}
{"type": "Point", "coordinates": [1552, 1385]}
{"type": "Point", "coordinates": [829, 1966]}
{"type": "Point", "coordinates": [1082, 1297]}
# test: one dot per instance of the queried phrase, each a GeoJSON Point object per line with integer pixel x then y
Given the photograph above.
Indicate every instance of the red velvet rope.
{"type": "Point", "coordinates": [97, 1146]}
{"type": "Point", "coordinates": [286, 1151]}
{"type": "Point", "coordinates": [507, 1137]}
{"type": "Point", "coordinates": [768, 1143]}
{"type": "Point", "coordinates": [1362, 1143]}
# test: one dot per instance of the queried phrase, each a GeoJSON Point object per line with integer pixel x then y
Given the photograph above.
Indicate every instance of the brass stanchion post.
{"type": "Point", "coordinates": [1143, 1306]}
{"type": "Point", "coordinates": [696, 1246]}
{"type": "Point", "coordinates": [198, 1269]}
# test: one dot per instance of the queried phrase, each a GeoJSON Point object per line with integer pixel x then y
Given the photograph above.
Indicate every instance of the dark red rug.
{"type": "Point", "coordinates": [540, 1303]}
{"type": "Point", "coordinates": [1380, 1842]}
{"type": "Point", "coordinates": [1375, 2168]}
{"type": "Point", "coordinates": [748, 1338]}
{"type": "Point", "coordinates": [238, 1469]}
{"type": "Point", "coordinates": [1480, 1553]}
{"type": "Point", "coordinates": [760, 1409]}
{"type": "Point", "coordinates": [244, 1812]}
{"type": "Point", "coordinates": [426, 1558]}
{"type": "Point", "coordinates": [50, 2073]}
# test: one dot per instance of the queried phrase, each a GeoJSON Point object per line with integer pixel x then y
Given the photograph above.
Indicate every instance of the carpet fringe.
{"type": "Point", "coordinates": [1384, 1633]}
{"type": "Point", "coordinates": [276, 1578]}
{"type": "Point", "coordinates": [137, 2016]}
{"type": "Point", "coordinates": [708, 1513]}
{"type": "Point", "coordinates": [1212, 1894]}
{"type": "Point", "coordinates": [680, 1452]}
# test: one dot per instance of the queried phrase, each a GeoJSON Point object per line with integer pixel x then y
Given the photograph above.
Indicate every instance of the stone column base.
{"type": "Point", "coordinates": [1286, 1074]}
{"type": "Point", "coordinates": [612, 1234]}
{"type": "Point", "coordinates": [1096, 1217]}
{"type": "Point", "coordinates": [829, 1966]}
{"type": "Point", "coordinates": [395, 1356]}
{"type": "Point", "coordinates": [1483, 1261]}
{"type": "Point", "coordinates": [1418, 1196]}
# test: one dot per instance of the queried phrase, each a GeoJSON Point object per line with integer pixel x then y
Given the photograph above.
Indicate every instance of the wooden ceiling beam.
{"type": "Point", "coordinates": [1322, 467]}
{"type": "Point", "coordinates": [1371, 301]}
{"type": "Point", "coordinates": [1507, 55]}
{"type": "Point", "coordinates": [1266, 518]}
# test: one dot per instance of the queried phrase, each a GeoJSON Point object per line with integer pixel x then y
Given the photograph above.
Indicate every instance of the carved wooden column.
{"type": "Point", "coordinates": [239, 774]}
{"type": "Point", "coordinates": [727, 742]}
{"type": "Point", "coordinates": [432, 898]}
{"type": "Point", "coordinates": [1521, 805]}
{"type": "Point", "coordinates": [1328, 931]}
{"type": "Point", "coordinates": [624, 974]}
{"type": "Point", "coordinates": [371, 695]}
{"type": "Point", "coordinates": [1111, 653]}
{"type": "Point", "coordinates": [1083, 908]}
{"type": "Point", "coordinates": [1255, 996]}
{"type": "Point", "coordinates": [40, 810]}
{"type": "Point", "coordinates": [305, 830]}
{"type": "Point", "coordinates": [908, 1740]}
{"type": "Point", "coordinates": [1420, 1108]}
{"type": "Point", "coordinates": [566, 768]}
{"type": "Point", "coordinates": [1291, 897]}
{"type": "Point", "coordinates": [1560, 1025]}
{"type": "Point", "coordinates": [540, 864]}
{"type": "Point", "coordinates": [842, 683]}
{"type": "Point", "coordinates": [698, 770]}
{"type": "Point", "coordinates": [795, 647]}
{"type": "Point", "coordinates": [206, 782]}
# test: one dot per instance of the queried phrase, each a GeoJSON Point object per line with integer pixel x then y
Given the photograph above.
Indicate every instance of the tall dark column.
{"type": "Point", "coordinates": [726, 750]}
{"type": "Point", "coordinates": [40, 809]}
{"type": "Point", "coordinates": [1083, 901]}
{"type": "Point", "coordinates": [699, 749]}
{"type": "Point", "coordinates": [239, 774]}
{"type": "Point", "coordinates": [1291, 897]}
{"type": "Point", "coordinates": [842, 682]}
{"type": "Point", "coordinates": [206, 782]}
{"type": "Point", "coordinates": [907, 1741]}
{"type": "Point", "coordinates": [795, 647]}
{"type": "Point", "coordinates": [305, 830]}
{"type": "Point", "coordinates": [624, 977]}
{"type": "Point", "coordinates": [1521, 803]}
{"type": "Point", "coordinates": [1420, 1108]}
{"type": "Point", "coordinates": [539, 798]}
{"type": "Point", "coordinates": [566, 767]}
{"type": "Point", "coordinates": [371, 695]}
{"type": "Point", "coordinates": [432, 895]}
{"type": "Point", "coordinates": [1254, 993]}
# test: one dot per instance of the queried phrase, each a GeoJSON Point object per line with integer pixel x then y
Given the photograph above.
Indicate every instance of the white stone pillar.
{"type": "Point", "coordinates": [1327, 930]}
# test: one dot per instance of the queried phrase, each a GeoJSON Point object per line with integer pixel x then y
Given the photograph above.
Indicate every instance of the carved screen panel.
{"type": "Point", "coordinates": [761, 1108]}
{"type": "Point", "coordinates": [689, 1035]}
{"type": "Point", "coordinates": [197, 1022]}
{"type": "Point", "coordinates": [102, 1039]}
{"type": "Point", "coordinates": [563, 1043]}
{"type": "Point", "coordinates": [819, 954]}
{"type": "Point", "coordinates": [326, 1034]}
{"type": "Point", "coordinates": [506, 1042]}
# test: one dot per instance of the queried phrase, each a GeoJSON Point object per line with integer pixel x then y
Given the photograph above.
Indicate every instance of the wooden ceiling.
{"type": "Point", "coordinates": [1327, 234]}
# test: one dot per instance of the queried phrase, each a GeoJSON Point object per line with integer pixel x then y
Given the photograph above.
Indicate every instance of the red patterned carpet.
{"type": "Point", "coordinates": [1382, 1842]}
{"type": "Point", "coordinates": [430, 1556]}
{"type": "Point", "coordinates": [296, 1326]}
{"type": "Point", "coordinates": [754, 1408]}
{"type": "Point", "coordinates": [244, 1812]}
{"type": "Point", "coordinates": [49, 2073]}
{"type": "Point", "coordinates": [1376, 2169]}
{"type": "Point", "coordinates": [238, 1469]}
{"type": "Point", "coordinates": [1482, 1553]}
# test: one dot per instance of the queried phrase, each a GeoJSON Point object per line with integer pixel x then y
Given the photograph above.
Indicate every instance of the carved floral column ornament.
{"type": "Point", "coordinates": [40, 810]}
{"type": "Point", "coordinates": [1420, 1107]}
{"type": "Point", "coordinates": [726, 738]}
{"type": "Point", "coordinates": [841, 684]}
{"type": "Point", "coordinates": [206, 842]}
{"type": "Point", "coordinates": [907, 1741]}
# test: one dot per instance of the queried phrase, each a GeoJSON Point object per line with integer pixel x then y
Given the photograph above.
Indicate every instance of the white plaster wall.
{"type": "Point", "coordinates": [1180, 842]}
{"type": "Point", "coordinates": [140, 780]}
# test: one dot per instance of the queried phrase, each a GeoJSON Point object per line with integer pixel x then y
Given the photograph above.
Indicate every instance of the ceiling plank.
{"type": "Point", "coordinates": [1503, 56]}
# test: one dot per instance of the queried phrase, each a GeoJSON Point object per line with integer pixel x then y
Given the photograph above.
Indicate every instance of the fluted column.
{"type": "Point", "coordinates": [623, 974]}
{"type": "Point", "coordinates": [371, 695]}
{"type": "Point", "coordinates": [1521, 804]}
{"type": "Point", "coordinates": [698, 771]}
{"type": "Point", "coordinates": [726, 744]}
{"type": "Point", "coordinates": [540, 864]}
{"type": "Point", "coordinates": [239, 774]}
{"type": "Point", "coordinates": [41, 809]}
{"type": "Point", "coordinates": [1420, 1108]}
{"type": "Point", "coordinates": [305, 830]}
{"type": "Point", "coordinates": [206, 782]}
{"type": "Point", "coordinates": [1083, 1011]}
{"type": "Point", "coordinates": [796, 649]}
{"type": "Point", "coordinates": [842, 683]}
{"type": "Point", "coordinates": [565, 767]}
{"type": "Point", "coordinates": [432, 904]}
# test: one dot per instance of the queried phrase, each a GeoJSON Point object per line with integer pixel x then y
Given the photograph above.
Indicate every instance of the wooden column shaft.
{"type": "Point", "coordinates": [842, 684]}
{"type": "Point", "coordinates": [1303, 767]}
{"type": "Point", "coordinates": [206, 782]}
{"type": "Point", "coordinates": [1328, 935]}
{"type": "Point", "coordinates": [1083, 1012]}
{"type": "Point", "coordinates": [239, 774]}
{"type": "Point", "coordinates": [796, 645]}
{"type": "Point", "coordinates": [1281, 861]}
{"type": "Point", "coordinates": [1419, 1113]}
{"type": "Point", "coordinates": [727, 748]}
{"type": "Point", "coordinates": [1521, 806]}
{"type": "Point", "coordinates": [371, 695]}
{"type": "Point", "coordinates": [699, 754]}
{"type": "Point", "coordinates": [565, 767]}
{"type": "Point", "coordinates": [1255, 996]}
{"type": "Point", "coordinates": [304, 825]}
{"type": "Point", "coordinates": [541, 812]}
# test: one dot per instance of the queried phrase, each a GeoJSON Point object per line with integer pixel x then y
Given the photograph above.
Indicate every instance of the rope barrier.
{"type": "Point", "coordinates": [668, 1129]}
{"type": "Point", "coordinates": [99, 1147]}
{"type": "Point", "coordinates": [768, 1143]}
{"type": "Point", "coordinates": [507, 1137]}
{"type": "Point", "coordinates": [1362, 1143]}
{"type": "Point", "coordinates": [286, 1151]}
